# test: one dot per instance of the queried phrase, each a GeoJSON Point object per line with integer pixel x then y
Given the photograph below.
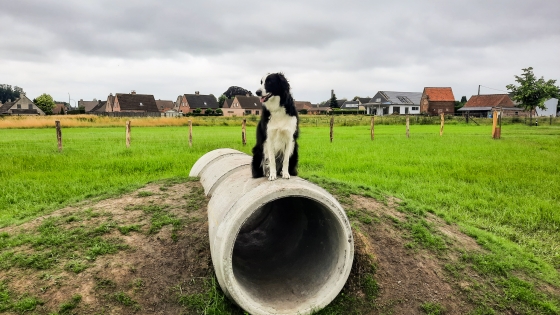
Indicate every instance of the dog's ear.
{"type": "Point", "coordinates": [284, 83]}
{"type": "Point", "coordinates": [285, 88]}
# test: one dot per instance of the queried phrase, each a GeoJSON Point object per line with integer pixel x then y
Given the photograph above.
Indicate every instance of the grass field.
{"type": "Point", "coordinates": [504, 193]}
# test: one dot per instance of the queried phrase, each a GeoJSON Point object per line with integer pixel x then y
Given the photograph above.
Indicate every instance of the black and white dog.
{"type": "Point", "coordinates": [276, 151]}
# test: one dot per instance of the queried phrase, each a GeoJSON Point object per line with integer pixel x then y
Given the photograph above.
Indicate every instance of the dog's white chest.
{"type": "Point", "coordinates": [280, 130]}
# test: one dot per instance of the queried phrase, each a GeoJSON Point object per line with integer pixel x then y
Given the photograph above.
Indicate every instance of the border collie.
{"type": "Point", "coordinates": [276, 151]}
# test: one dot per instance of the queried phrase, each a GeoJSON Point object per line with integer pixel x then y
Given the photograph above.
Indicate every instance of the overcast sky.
{"type": "Point", "coordinates": [166, 48]}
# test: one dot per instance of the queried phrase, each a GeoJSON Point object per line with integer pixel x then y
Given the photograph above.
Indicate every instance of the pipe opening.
{"type": "Point", "coordinates": [287, 251]}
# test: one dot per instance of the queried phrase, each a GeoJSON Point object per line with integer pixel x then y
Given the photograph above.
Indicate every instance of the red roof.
{"type": "Point", "coordinates": [490, 100]}
{"type": "Point", "coordinates": [439, 94]}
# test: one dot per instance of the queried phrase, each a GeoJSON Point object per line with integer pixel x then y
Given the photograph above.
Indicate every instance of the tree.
{"type": "Point", "coordinates": [7, 93]}
{"type": "Point", "coordinates": [208, 111]}
{"type": "Point", "coordinates": [333, 103]}
{"type": "Point", "coordinates": [532, 93]}
{"type": "Point", "coordinates": [232, 91]}
{"type": "Point", "coordinates": [458, 105]}
{"type": "Point", "coordinates": [219, 112]}
{"type": "Point", "coordinates": [463, 99]}
{"type": "Point", "coordinates": [46, 103]}
{"type": "Point", "coordinates": [221, 100]}
{"type": "Point", "coordinates": [197, 111]}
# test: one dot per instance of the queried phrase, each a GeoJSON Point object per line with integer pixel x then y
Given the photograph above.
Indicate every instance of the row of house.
{"type": "Point", "coordinates": [432, 101]}
{"type": "Point", "coordinates": [187, 103]}
{"type": "Point", "coordinates": [440, 100]}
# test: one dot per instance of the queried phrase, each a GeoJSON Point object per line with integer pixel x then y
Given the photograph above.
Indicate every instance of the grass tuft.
{"type": "Point", "coordinates": [126, 229]}
{"type": "Point", "coordinates": [432, 308]}
{"type": "Point", "coordinates": [67, 307]}
{"type": "Point", "coordinates": [145, 194]}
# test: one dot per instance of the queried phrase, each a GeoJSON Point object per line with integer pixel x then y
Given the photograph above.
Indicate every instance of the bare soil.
{"type": "Point", "coordinates": [158, 268]}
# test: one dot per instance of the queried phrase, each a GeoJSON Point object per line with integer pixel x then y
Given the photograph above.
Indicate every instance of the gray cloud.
{"type": "Point", "coordinates": [355, 47]}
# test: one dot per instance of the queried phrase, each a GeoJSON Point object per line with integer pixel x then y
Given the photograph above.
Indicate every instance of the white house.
{"type": "Point", "coordinates": [398, 103]}
{"type": "Point", "coordinates": [22, 106]}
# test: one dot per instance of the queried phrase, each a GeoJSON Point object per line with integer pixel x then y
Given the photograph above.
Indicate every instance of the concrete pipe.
{"type": "Point", "coordinates": [278, 247]}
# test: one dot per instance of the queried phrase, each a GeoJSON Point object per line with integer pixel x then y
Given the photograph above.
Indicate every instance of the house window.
{"type": "Point", "coordinates": [378, 100]}
{"type": "Point", "coordinates": [248, 112]}
{"type": "Point", "coordinates": [141, 104]}
{"type": "Point", "coordinates": [516, 113]}
{"type": "Point", "coordinates": [256, 112]}
{"type": "Point", "coordinates": [406, 110]}
{"type": "Point", "coordinates": [414, 108]}
{"type": "Point", "coordinates": [30, 106]}
{"type": "Point", "coordinates": [396, 110]}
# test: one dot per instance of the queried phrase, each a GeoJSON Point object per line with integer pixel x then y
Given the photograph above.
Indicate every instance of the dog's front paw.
{"type": "Point", "coordinates": [272, 176]}
{"type": "Point", "coordinates": [285, 175]}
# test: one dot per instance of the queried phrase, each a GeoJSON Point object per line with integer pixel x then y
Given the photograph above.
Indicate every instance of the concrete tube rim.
{"type": "Point", "coordinates": [210, 156]}
{"type": "Point", "coordinates": [250, 202]}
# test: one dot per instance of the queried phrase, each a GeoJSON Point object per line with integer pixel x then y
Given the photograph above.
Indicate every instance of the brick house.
{"type": "Point", "coordinates": [22, 106]}
{"type": "Point", "coordinates": [134, 103]}
{"type": "Point", "coordinates": [59, 108]}
{"type": "Point", "coordinates": [164, 106]}
{"type": "Point", "coordinates": [437, 100]}
{"type": "Point", "coordinates": [101, 107]}
{"type": "Point", "coordinates": [88, 105]}
{"type": "Point", "coordinates": [484, 105]}
{"type": "Point", "coordinates": [302, 105]}
{"type": "Point", "coordinates": [190, 102]}
{"type": "Point", "coordinates": [242, 106]}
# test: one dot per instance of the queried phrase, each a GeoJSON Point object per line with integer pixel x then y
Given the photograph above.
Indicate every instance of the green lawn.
{"type": "Point", "coordinates": [508, 187]}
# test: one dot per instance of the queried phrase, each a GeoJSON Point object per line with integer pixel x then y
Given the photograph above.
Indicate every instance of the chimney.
{"type": "Point", "coordinates": [133, 92]}
{"type": "Point", "coordinates": [196, 93]}
{"type": "Point", "coordinates": [332, 93]}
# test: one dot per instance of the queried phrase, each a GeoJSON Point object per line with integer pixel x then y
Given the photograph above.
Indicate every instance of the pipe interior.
{"type": "Point", "coordinates": [287, 251]}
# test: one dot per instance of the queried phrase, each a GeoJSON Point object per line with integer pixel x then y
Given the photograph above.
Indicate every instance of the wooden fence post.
{"type": "Point", "coordinates": [128, 133]}
{"type": "Point", "coordinates": [551, 120]}
{"type": "Point", "coordinates": [495, 129]}
{"type": "Point", "coordinates": [407, 127]}
{"type": "Point", "coordinates": [372, 127]}
{"type": "Point", "coordinates": [190, 133]}
{"type": "Point", "coordinates": [332, 124]}
{"type": "Point", "coordinates": [58, 135]}
{"type": "Point", "coordinates": [442, 123]}
{"type": "Point", "coordinates": [243, 133]}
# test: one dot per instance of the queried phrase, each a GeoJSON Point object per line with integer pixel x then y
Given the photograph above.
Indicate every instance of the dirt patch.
{"type": "Point", "coordinates": [161, 265]}
{"type": "Point", "coordinates": [147, 277]}
{"type": "Point", "coordinates": [407, 278]}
